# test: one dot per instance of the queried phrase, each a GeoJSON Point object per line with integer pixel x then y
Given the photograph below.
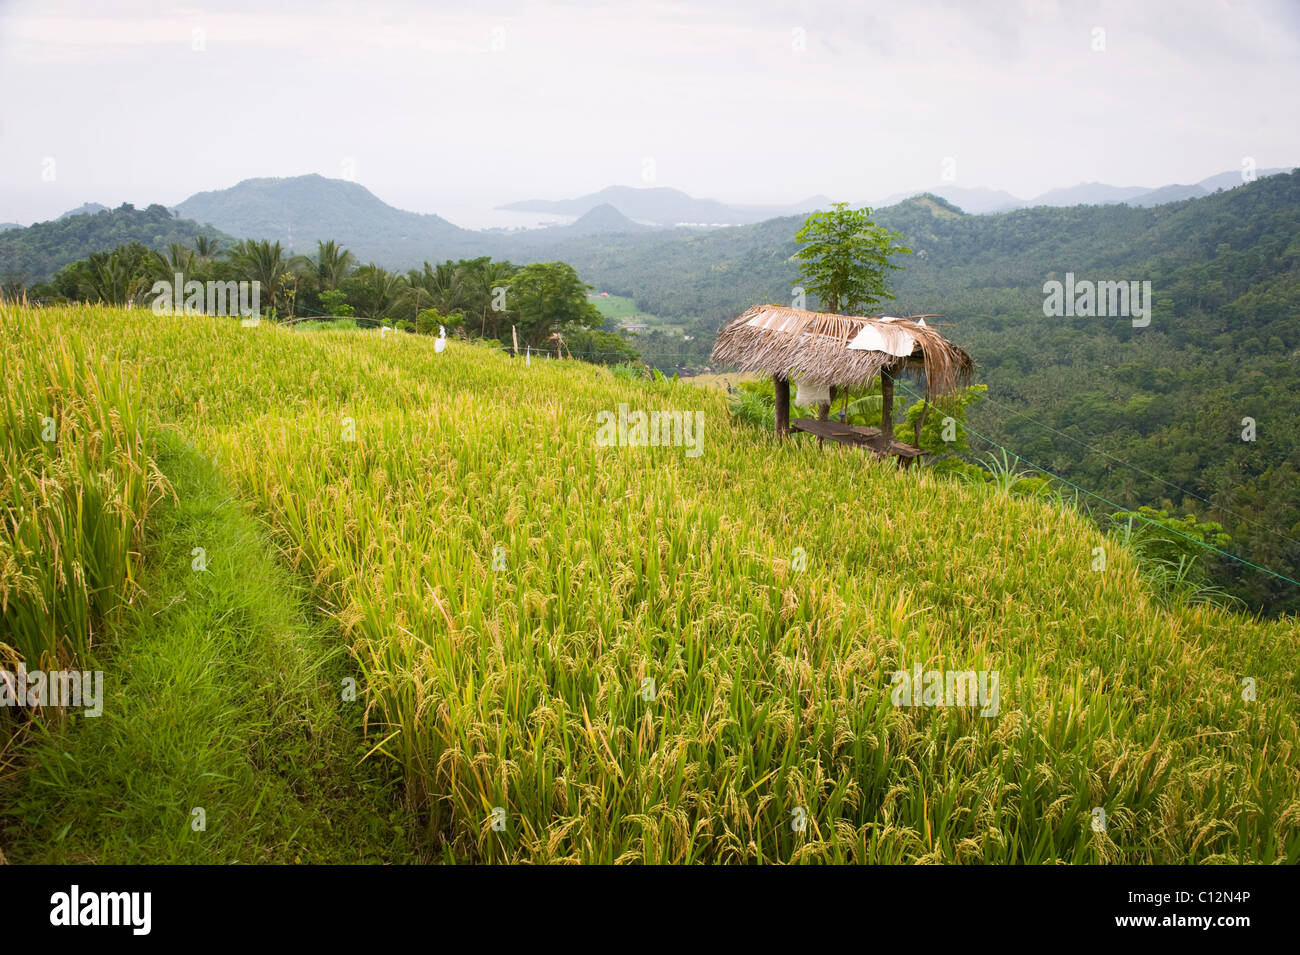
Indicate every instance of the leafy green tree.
{"type": "Point", "coordinates": [845, 258]}
{"type": "Point", "coordinates": [548, 297]}
{"type": "Point", "coordinates": [600, 347]}
{"type": "Point", "coordinates": [36, 253]}
{"type": "Point", "coordinates": [939, 435]}
{"type": "Point", "coordinates": [428, 321]}
{"type": "Point", "coordinates": [1268, 530]}
{"type": "Point", "coordinates": [335, 303]}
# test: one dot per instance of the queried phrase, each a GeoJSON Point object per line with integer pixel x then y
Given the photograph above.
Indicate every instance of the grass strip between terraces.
{"type": "Point", "coordinates": [222, 692]}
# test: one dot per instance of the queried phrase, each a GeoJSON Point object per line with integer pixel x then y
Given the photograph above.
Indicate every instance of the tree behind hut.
{"type": "Point", "coordinates": [845, 259]}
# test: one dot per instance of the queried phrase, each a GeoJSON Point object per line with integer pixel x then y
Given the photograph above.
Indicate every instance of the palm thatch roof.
{"type": "Point", "coordinates": [846, 350]}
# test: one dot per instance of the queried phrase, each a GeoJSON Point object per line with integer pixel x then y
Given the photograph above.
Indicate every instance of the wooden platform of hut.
{"type": "Point", "coordinates": [859, 436]}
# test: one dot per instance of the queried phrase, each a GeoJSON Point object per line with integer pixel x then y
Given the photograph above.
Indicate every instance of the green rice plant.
{"type": "Point", "coordinates": [754, 405]}
{"type": "Point", "coordinates": [578, 652]}
{"type": "Point", "coordinates": [76, 484]}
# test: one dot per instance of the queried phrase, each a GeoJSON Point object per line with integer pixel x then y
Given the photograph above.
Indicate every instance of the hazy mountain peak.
{"type": "Point", "coordinates": [937, 206]}
{"type": "Point", "coordinates": [85, 209]}
{"type": "Point", "coordinates": [603, 218]}
{"type": "Point", "coordinates": [301, 210]}
{"type": "Point", "coordinates": [666, 206]}
{"type": "Point", "coordinates": [973, 199]}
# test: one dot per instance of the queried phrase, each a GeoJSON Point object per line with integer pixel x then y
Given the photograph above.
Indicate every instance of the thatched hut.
{"type": "Point", "coordinates": [840, 351]}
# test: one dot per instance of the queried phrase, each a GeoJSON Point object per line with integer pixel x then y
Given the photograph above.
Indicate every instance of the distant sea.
{"type": "Point", "coordinates": [475, 215]}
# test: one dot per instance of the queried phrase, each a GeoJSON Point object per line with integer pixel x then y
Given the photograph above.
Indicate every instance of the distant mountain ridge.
{"type": "Point", "coordinates": [665, 207]}
{"type": "Point", "coordinates": [976, 199]}
{"type": "Point", "coordinates": [34, 253]}
{"type": "Point", "coordinates": [85, 209]}
{"type": "Point", "coordinates": [981, 201]}
{"type": "Point", "coordinates": [1089, 194]}
{"type": "Point", "coordinates": [301, 210]}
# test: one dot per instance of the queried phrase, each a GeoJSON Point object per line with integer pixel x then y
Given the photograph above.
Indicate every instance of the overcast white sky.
{"type": "Point", "coordinates": [726, 98]}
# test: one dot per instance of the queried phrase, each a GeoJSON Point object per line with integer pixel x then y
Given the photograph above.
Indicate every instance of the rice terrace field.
{"type": "Point", "coordinates": [415, 611]}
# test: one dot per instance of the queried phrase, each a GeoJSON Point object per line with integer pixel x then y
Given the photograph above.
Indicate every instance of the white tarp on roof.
{"type": "Point", "coordinates": [892, 341]}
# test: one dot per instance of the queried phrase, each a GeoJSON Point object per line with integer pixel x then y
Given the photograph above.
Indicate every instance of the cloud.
{"type": "Point", "coordinates": [559, 98]}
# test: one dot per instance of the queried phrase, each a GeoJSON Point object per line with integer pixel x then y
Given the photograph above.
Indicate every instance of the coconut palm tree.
{"type": "Point", "coordinates": [261, 261]}
{"type": "Point", "coordinates": [177, 258]}
{"type": "Point", "coordinates": [205, 248]}
{"type": "Point", "coordinates": [332, 264]}
{"type": "Point", "coordinates": [468, 287]}
{"type": "Point", "coordinates": [442, 287]}
{"type": "Point", "coordinates": [377, 292]}
{"type": "Point", "coordinates": [119, 277]}
{"type": "Point", "coordinates": [487, 277]}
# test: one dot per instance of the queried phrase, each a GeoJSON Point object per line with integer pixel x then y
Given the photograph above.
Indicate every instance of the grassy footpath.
{"type": "Point", "coordinates": [222, 692]}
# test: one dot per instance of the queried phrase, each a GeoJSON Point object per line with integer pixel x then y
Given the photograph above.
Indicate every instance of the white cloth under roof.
{"type": "Point", "coordinates": [891, 340]}
{"type": "Point", "coordinates": [813, 393]}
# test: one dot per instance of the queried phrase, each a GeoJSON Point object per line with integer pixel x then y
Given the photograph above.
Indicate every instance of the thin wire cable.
{"type": "Point", "coordinates": [1134, 467]}
{"type": "Point", "coordinates": [1118, 507]}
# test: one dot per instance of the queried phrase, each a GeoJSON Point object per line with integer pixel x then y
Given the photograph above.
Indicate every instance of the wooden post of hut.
{"type": "Point", "coordinates": [824, 408]}
{"type": "Point", "coordinates": [887, 407]}
{"type": "Point", "coordinates": [920, 422]}
{"type": "Point", "coordinates": [782, 384]}
{"type": "Point", "coordinates": [824, 412]}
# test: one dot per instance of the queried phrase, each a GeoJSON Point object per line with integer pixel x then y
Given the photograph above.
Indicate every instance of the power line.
{"type": "Point", "coordinates": [1119, 507]}
{"type": "Point", "coordinates": [1134, 467]}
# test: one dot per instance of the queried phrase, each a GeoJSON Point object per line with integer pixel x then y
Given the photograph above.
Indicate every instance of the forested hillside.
{"type": "Point", "coordinates": [34, 254]}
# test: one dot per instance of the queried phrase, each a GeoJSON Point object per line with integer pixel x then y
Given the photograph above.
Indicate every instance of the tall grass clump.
{"type": "Point", "coordinates": [76, 484]}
